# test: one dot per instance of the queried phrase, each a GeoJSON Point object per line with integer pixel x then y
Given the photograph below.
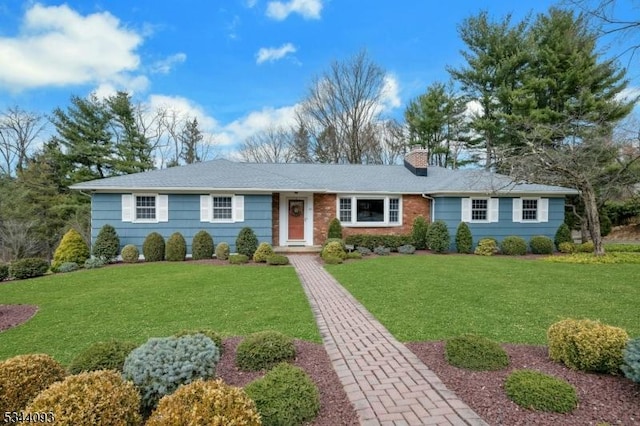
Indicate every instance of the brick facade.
{"type": "Point", "coordinates": [324, 209]}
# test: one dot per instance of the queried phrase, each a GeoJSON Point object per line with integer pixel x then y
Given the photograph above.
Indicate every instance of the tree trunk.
{"type": "Point", "coordinates": [593, 219]}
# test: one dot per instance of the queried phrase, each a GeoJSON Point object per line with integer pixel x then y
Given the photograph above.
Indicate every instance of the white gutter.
{"type": "Point", "coordinates": [433, 205]}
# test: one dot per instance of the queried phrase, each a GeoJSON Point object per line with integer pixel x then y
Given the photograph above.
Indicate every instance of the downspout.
{"type": "Point", "coordinates": [433, 205]}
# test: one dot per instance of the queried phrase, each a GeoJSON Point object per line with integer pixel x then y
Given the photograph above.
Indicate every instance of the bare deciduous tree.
{"type": "Point", "coordinates": [272, 145]}
{"type": "Point", "coordinates": [339, 107]}
{"type": "Point", "coordinates": [16, 239]}
{"type": "Point", "coordinates": [18, 130]}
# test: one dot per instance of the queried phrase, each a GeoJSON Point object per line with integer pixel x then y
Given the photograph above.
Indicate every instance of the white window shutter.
{"type": "Point", "coordinates": [543, 210]}
{"type": "Point", "coordinates": [494, 209]}
{"type": "Point", "coordinates": [163, 208]}
{"type": "Point", "coordinates": [127, 207]}
{"type": "Point", "coordinates": [466, 210]}
{"type": "Point", "coordinates": [238, 208]}
{"type": "Point", "coordinates": [206, 208]}
{"type": "Point", "coordinates": [517, 209]}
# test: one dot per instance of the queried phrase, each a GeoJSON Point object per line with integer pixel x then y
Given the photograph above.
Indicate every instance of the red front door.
{"type": "Point", "coordinates": [296, 220]}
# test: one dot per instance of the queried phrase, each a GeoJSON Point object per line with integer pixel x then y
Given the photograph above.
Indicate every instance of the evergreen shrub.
{"type": "Point", "coordinates": [537, 391]}
{"type": "Point", "coordinates": [109, 355]}
{"type": "Point", "coordinates": [438, 238]}
{"type": "Point", "coordinates": [247, 242]}
{"type": "Point", "coordinates": [130, 254]}
{"type": "Point", "coordinates": [93, 263]}
{"type": "Point", "coordinates": [286, 395]}
{"type": "Point", "coordinates": [487, 247]}
{"type": "Point", "coordinates": [541, 244]}
{"type": "Point", "coordinates": [202, 246]}
{"type": "Point", "coordinates": [263, 350]}
{"type": "Point", "coordinates": [205, 402]}
{"type": "Point", "coordinates": [513, 246]}
{"type": "Point", "coordinates": [25, 376]}
{"type": "Point", "coordinates": [107, 244]}
{"type": "Point", "coordinates": [406, 249]}
{"type": "Point", "coordinates": [93, 398]}
{"type": "Point", "coordinates": [464, 239]}
{"type": "Point", "coordinates": [68, 267]}
{"type": "Point", "coordinates": [222, 251]}
{"type": "Point", "coordinates": [176, 248]}
{"type": "Point", "coordinates": [566, 247]}
{"type": "Point", "coordinates": [475, 353]}
{"type": "Point", "coordinates": [29, 267]}
{"type": "Point", "coordinates": [263, 251]}
{"type": "Point", "coordinates": [419, 229]}
{"type": "Point", "coordinates": [335, 229]}
{"type": "Point", "coordinates": [153, 248]}
{"type": "Point", "coordinates": [4, 271]}
{"type": "Point", "coordinates": [211, 334]}
{"type": "Point", "coordinates": [333, 249]}
{"type": "Point", "coordinates": [238, 259]}
{"type": "Point", "coordinates": [277, 259]}
{"type": "Point", "coordinates": [381, 251]}
{"type": "Point", "coordinates": [72, 248]}
{"type": "Point", "coordinates": [563, 235]}
{"type": "Point", "coordinates": [161, 365]}
{"type": "Point", "coordinates": [631, 360]}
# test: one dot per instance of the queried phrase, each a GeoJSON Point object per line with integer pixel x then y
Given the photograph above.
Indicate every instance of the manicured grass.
{"type": "Point", "coordinates": [136, 302]}
{"type": "Point", "coordinates": [436, 297]}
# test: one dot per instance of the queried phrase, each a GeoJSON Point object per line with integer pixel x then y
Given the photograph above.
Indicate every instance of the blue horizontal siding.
{"type": "Point", "coordinates": [449, 210]}
{"type": "Point", "coordinates": [184, 217]}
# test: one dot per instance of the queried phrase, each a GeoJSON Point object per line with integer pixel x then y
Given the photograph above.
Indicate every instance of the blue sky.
{"type": "Point", "coordinates": [237, 65]}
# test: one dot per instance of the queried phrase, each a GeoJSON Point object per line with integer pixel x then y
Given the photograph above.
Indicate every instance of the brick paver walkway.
{"type": "Point", "coordinates": [386, 383]}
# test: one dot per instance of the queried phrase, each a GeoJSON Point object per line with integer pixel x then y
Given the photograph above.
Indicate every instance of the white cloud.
{"type": "Point", "coordinates": [184, 107]}
{"type": "Point", "coordinates": [240, 129]}
{"type": "Point", "coordinates": [309, 9]}
{"type": "Point", "coordinates": [57, 47]}
{"type": "Point", "coordinates": [390, 98]}
{"type": "Point", "coordinates": [251, 3]}
{"type": "Point", "coordinates": [165, 65]}
{"type": "Point", "coordinates": [272, 54]}
{"type": "Point", "coordinates": [629, 94]}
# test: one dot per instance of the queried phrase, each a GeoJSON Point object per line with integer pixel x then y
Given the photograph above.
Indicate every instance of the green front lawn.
{"type": "Point", "coordinates": [136, 302]}
{"type": "Point", "coordinates": [506, 299]}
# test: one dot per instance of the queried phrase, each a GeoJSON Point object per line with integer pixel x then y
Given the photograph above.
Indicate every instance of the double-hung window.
{"type": "Point", "coordinates": [370, 210]}
{"type": "Point", "coordinates": [480, 210]}
{"type": "Point", "coordinates": [221, 208]}
{"type": "Point", "coordinates": [533, 210]}
{"type": "Point", "coordinates": [529, 209]}
{"type": "Point", "coordinates": [145, 208]}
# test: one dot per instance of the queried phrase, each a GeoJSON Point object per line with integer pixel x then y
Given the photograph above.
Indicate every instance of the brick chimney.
{"type": "Point", "coordinates": [417, 161]}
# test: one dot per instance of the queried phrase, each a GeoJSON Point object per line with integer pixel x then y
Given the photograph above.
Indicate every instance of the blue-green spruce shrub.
{"type": "Point", "coordinates": [631, 356]}
{"type": "Point", "coordinates": [406, 249]}
{"type": "Point", "coordinates": [161, 365]}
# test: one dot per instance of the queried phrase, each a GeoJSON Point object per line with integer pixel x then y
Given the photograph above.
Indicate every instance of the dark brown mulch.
{"type": "Point", "coordinates": [13, 315]}
{"type": "Point", "coordinates": [602, 398]}
{"type": "Point", "coordinates": [335, 408]}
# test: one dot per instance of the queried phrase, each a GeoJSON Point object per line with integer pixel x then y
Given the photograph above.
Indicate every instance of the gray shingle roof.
{"type": "Point", "coordinates": [224, 175]}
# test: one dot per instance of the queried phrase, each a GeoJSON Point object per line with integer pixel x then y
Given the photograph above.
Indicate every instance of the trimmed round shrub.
{"type": "Point", "coordinates": [130, 254]}
{"type": "Point", "coordinates": [160, 365]}
{"type": "Point", "coordinates": [475, 353]}
{"type": "Point", "coordinates": [381, 251]}
{"type": "Point", "coordinates": [247, 242]}
{"type": "Point", "coordinates": [537, 391]}
{"type": "Point", "coordinates": [25, 376]}
{"type": "Point", "coordinates": [513, 246]}
{"type": "Point", "coordinates": [335, 229]}
{"type": "Point", "coordinates": [333, 249]}
{"type": "Point", "coordinates": [4, 271]}
{"type": "Point", "coordinates": [337, 240]}
{"type": "Point", "coordinates": [176, 248]}
{"type": "Point", "coordinates": [238, 259]}
{"type": "Point", "coordinates": [202, 246]}
{"type": "Point", "coordinates": [438, 238]}
{"type": "Point", "coordinates": [563, 235]}
{"type": "Point", "coordinates": [277, 260]}
{"type": "Point", "coordinates": [222, 251]}
{"type": "Point", "coordinates": [541, 244]}
{"type": "Point", "coordinates": [108, 355]}
{"type": "Point", "coordinates": [286, 395]}
{"type": "Point", "coordinates": [29, 267]}
{"type": "Point", "coordinates": [107, 244]}
{"type": "Point", "coordinates": [464, 239]}
{"type": "Point", "coordinates": [211, 334]}
{"type": "Point", "coordinates": [263, 251]}
{"type": "Point", "coordinates": [332, 260]}
{"type": "Point", "coordinates": [567, 248]}
{"type": "Point", "coordinates": [419, 230]}
{"type": "Point", "coordinates": [72, 248]}
{"type": "Point", "coordinates": [587, 345]}
{"type": "Point", "coordinates": [205, 403]}
{"type": "Point", "coordinates": [406, 249]}
{"type": "Point", "coordinates": [68, 267]}
{"type": "Point", "coordinates": [92, 398]}
{"type": "Point", "coordinates": [487, 247]}
{"type": "Point", "coordinates": [587, 247]}
{"type": "Point", "coordinates": [153, 248]}
{"type": "Point", "coordinates": [93, 263]}
{"type": "Point", "coordinates": [631, 358]}
{"type": "Point", "coordinates": [263, 350]}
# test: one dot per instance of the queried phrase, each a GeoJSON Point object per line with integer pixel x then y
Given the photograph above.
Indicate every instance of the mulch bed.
{"type": "Point", "coordinates": [13, 315]}
{"type": "Point", "coordinates": [602, 398]}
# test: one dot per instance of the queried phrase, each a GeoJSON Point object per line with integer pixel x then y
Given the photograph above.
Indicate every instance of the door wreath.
{"type": "Point", "coordinates": [296, 211]}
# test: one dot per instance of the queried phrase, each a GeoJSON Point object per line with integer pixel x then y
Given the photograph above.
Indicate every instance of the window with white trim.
{"type": "Point", "coordinates": [370, 211]}
{"type": "Point", "coordinates": [479, 209]}
{"type": "Point", "coordinates": [533, 210]}
{"type": "Point", "coordinates": [145, 207]}
{"type": "Point", "coordinates": [530, 209]}
{"type": "Point", "coordinates": [222, 208]}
